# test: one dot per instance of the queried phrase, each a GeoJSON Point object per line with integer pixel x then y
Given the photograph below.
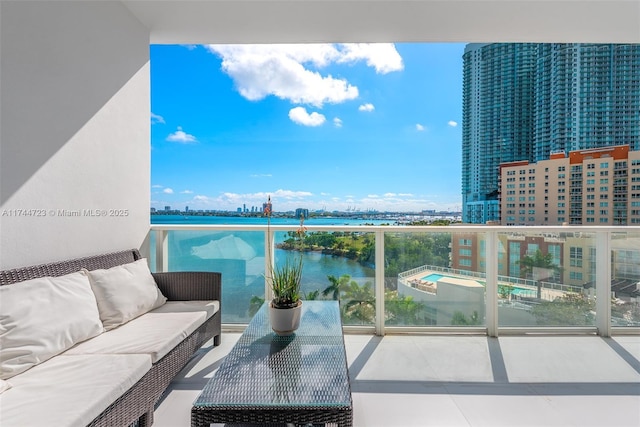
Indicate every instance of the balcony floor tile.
{"type": "Point", "coordinates": [422, 380]}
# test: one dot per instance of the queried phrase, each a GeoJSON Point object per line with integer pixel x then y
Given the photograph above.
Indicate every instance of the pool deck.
{"type": "Point", "coordinates": [430, 286]}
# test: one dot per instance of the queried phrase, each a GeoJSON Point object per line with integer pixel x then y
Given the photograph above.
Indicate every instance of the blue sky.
{"type": "Point", "coordinates": [364, 126]}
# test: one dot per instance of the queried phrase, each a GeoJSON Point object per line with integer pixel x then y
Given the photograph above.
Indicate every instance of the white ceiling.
{"type": "Point", "coordinates": [281, 21]}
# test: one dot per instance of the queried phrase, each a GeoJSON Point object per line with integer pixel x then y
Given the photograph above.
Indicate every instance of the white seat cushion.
{"type": "Point", "coordinates": [70, 390]}
{"type": "Point", "coordinates": [44, 317]}
{"type": "Point", "coordinates": [154, 333]}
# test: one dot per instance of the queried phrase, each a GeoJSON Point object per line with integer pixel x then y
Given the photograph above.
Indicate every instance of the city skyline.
{"type": "Point", "coordinates": [333, 127]}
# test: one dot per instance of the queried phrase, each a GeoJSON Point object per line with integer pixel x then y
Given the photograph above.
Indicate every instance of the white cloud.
{"type": "Point", "coordinates": [168, 191]}
{"type": "Point", "coordinates": [157, 186]}
{"type": "Point", "coordinates": [260, 175]}
{"type": "Point", "coordinates": [382, 56]}
{"type": "Point", "coordinates": [182, 137]}
{"type": "Point", "coordinates": [337, 122]}
{"type": "Point", "coordinates": [283, 70]}
{"type": "Point", "coordinates": [290, 194]}
{"type": "Point", "coordinates": [201, 198]}
{"type": "Point", "coordinates": [452, 123]}
{"type": "Point", "coordinates": [366, 107]}
{"type": "Point", "coordinates": [419, 127]}
{"type": "Point", "coordinates": [262, 70]}
{"type": "Point", "coordinates": [155, 118]}
{"type": "Point", "coordinates": [300, 116]}
{"type": "Point", "coordinates": [186, 192]}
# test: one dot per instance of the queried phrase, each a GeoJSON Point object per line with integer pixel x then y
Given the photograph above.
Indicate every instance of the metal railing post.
{"type": "Point", "coordinates": [491, 289]}
{"type": "Point", "coordinates": [603, 283]}
{"type": "Point", "coordinates": [269, 263]}
{"type": "Point", "coordinates": [379, 286]}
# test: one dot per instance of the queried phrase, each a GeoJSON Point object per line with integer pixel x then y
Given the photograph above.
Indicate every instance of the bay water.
{"type": "Point", "coordinates": [240, 257]}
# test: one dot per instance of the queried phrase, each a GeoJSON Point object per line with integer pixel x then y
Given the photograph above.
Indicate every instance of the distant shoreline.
{"type": "Point", "coordinates": [390, 218]}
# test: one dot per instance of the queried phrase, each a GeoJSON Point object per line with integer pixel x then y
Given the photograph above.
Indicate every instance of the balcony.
{"type": "Point", "coordinates": [88, 148]}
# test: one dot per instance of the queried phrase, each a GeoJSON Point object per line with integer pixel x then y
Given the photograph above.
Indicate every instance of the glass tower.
{"type": "Point", "coordinates": [587, 96]}
{"type": "Point", "coordinates": [497, 120]}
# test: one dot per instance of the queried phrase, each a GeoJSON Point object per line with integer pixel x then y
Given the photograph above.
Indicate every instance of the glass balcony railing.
{"type": "Point", "coordinates": [483, 279]}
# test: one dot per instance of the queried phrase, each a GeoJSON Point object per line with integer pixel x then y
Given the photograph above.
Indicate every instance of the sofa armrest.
{"type": "Point", "coordinates": [190, 285]}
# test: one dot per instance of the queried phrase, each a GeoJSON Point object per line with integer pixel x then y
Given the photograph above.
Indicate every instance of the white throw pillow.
{"type": "Point", "coordinates": [125, 292]}
{"type": "Point", "coordinates": [40, 318]}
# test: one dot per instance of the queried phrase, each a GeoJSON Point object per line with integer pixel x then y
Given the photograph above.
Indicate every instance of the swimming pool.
{"type": "Point", "coordinates": [521, 292]}
{"type": "Point", "coordinates": [433, 277]}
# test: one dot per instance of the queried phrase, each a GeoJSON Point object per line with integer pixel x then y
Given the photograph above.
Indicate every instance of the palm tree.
{"type": "Point", "coordinates": [401, 310]}
{"type": "Point", "coordinates": [360, 302]}
{"type": "Point", "coordinates": [336, 286]}
{"type": "Point", "coordinates": [540, 266]}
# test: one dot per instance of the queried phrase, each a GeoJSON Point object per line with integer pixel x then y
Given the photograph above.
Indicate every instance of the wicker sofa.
{"type": "Point", "coordinates": [135, 404]}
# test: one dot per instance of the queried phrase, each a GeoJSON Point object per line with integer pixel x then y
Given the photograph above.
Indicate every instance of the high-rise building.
{"type": "Point", "coordinates": [600, 186]}
{"type": "Point", "coordinates": [525, 101]}
{"type": "Point", "coordinates": [587, 96]}
{"type": "Point", "coordinates": [302, 213]}
{"type": "Point", "coordinates": [497, 120]}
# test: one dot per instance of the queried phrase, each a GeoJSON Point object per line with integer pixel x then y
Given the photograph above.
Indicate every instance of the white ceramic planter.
{"type": "Point", "coordinates": [284, 321]}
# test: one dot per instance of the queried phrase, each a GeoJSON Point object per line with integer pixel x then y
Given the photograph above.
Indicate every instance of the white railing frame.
{"type": "Point", "coordinates": [602, 235]}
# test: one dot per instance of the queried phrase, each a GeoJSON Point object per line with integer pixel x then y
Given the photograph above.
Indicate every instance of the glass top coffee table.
{"type": "Point", "coordinates": [266, 378]}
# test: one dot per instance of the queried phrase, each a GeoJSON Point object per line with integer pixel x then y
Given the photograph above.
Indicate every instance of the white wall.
{"type": "Point", "coordinates": [74, 130]}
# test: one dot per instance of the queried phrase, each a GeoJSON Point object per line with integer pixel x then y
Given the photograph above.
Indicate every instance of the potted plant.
{"type": "Point", "coordinates": [285, 308]}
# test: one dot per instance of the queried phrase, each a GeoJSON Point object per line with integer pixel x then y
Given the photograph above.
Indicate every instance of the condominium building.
{"type": "Point", "coordinates": [599, 186]}
{"type": "Point", "coordinates": [586, 96]}
{"type": "Point", "coordinates": [524, 102]}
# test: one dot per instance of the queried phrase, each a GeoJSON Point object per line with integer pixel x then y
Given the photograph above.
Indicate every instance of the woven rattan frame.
{"type": "Point", "coordinates": [136, 405]}
{"type": "Point", "coordinates": [242, 390]}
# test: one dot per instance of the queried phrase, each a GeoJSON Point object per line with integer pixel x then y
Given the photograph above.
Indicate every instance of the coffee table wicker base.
{"type": "Point", "coordinates": [261, 416]}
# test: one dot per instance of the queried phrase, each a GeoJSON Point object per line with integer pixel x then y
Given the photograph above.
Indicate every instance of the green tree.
{"type": "Point", "coordinates": [459, 319]}
{"type": "Point", "coordinates": [539, 266]}
{"type": "Point", "coordinates": [321, 239]}
{"type": "Point", "coordinates": [359, 306]}
{"type": "Point", "coordinates": [571, 309]}
{"type": "Point", "coordinates": [401, 310]}
{"type": "Point", "coordinates": [406, 251]}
